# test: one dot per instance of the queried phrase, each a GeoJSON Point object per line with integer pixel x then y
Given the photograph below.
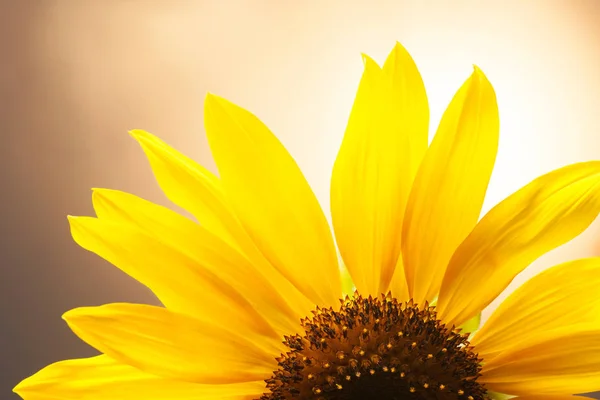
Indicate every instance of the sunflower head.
{"type": "Point", "coordinates": [376, 348]}
{"type": "Point", "coordinates": [238, 281]}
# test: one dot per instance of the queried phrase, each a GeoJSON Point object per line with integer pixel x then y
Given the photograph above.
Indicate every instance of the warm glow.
{"type": "Point", "coordinates": [297, 65]}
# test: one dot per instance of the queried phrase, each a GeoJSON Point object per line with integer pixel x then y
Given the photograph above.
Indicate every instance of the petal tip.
{"type": "Point", "coordinates": [213, 99]}
{"type": "Point", "coordinates": [21, 387]}
{"type": "Point", "coordinates": [369, 63]}
{"type": "Point", "coordinates": [399, 48]}
{"type": "Point", "coordinates": [67, 316]}
{"type": "Point", "coordinates": [479, 81]}
{"type": "Point", "coordinates": [212, 103]}
{"type": "Point", "coordinates": [98, 194]}
{"type": "Point", "coordinates": [478, 74]}
{"type": "Point", "coordinates": [139, 135]}
{"type": "Point", "coordinates": [78, 226]}
{"type": "Point", "coordinates": [76, 221]}
{"type": "Point", "coordinates": [210, 97]}
{"type": "Point", "coordinates": [364, 58]}
{"type": "Point", "coordinates": [73, 225]}
{"type": "Point", "coordinates": [74, 315]}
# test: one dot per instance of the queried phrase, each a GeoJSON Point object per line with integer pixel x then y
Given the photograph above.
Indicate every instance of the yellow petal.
{"type": "Point", "coordinates": [564, 295]}
{"type": "Point", "coordinates": [398, 285]}
{"type": "Point", "coordinates": [189, 185]}
{"type": "Point", "coordinates": [162, 342]}
{"type": "Point", "coordinates": [277, 300]}
{"type": "Point", "coordinates": [384, 142]}
{"type": "Point", "coordinates": [561, 361]}
{"type": "Point", "coordinates": [449, 188]}
{"type": "Point", "coordinates": [546, 213]}
{"type": "Point", "coordinates": [102, 378]}
{"type": "Point", "coordinates": [182, 283]}
{"type": "Point", "coordinates": [408, 89]}
{"type": "Point", "coordinates": [273, 201]}
{"type": "Point", "coordinates": [195, 189]}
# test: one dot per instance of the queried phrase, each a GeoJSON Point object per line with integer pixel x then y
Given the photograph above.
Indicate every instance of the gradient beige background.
{"type": "Point", "coordinates": [75, 75]}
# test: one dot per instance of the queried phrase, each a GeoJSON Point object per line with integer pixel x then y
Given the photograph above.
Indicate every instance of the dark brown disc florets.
{"type": "Point", "coordinates": [376, 349]}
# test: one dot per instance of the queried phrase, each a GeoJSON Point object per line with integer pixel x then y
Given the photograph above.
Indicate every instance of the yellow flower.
{"type": "Point", "coordinates": [251, 291]}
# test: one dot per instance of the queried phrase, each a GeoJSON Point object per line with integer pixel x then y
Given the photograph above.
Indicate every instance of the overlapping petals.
{"type": "Point", "coordinates": [173, 345]}
{"type": "Point", "coordinates": [546, 213]}
{"type": "Point", "coordinates": [564, 295]}
{"type": "Point", "coordinates": [261, 255]}
{"type": "Point", "coordinates": [383, 146]}
{"type": "Point", "coordinates": [202, 258]}
{"type": "Point", "coordinates": [102, 377]}
{"type": "Point", "coordinates": [560, 361]}
{"type": "Point", "coordinates": [198, 191]}
{"type": "Point", "coordinates": [272, 199]}
{"type": "Point", "coordinates": [446, 199]}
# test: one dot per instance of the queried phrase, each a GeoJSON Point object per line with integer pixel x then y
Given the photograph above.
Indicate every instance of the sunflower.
{"type": "Point", "coordinates": [257, 305]}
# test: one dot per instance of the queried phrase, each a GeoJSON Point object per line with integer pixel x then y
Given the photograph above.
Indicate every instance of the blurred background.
{"type": "Point", "coordinates": [76, 75]}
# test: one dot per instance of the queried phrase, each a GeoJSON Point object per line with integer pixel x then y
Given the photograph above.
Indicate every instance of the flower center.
{"type": "Point", "coordinates": [377, 349]}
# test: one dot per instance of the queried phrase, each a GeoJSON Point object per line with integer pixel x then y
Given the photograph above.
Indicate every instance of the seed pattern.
{"type": "Point", "coordinates": [376, 348]}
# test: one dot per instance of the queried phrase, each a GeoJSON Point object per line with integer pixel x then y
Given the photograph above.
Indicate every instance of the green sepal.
{"type": "Point", "coordinates": [471, 325]}
{"type": "Point", "coordinates": [347, 284]}
{"type": "Point", "coordinates": [498, 396]}
{"type": "Point", "coordinates": [433, 302]}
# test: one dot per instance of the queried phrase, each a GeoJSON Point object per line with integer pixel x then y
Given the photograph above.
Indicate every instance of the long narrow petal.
{"type": "Point", "coordinates": [190, 285]}
{"type": "Point", "coordinates": [273, 201]}
{"type": "Point", "coordinates": [194, 188]}
{"type": "Point", "coordinates": [448, 192]}
{"type": "Point", "coordinates": [103, 378]}
{"type": "Point", "coordinates": [189, 185]}
{"type": "Point", "coordinates": [277, 300]}
{"type": "Point", "coordinates": [546, 213]}
{"type": "Point", "coordinates": [562, 361]}
{"type": "Point", "coordinates": [384, 143]}
{"type": "Point", "coordinates": [162, 342]}
{"type": "Point", "coordinates": [564, 295]}
{"type": "Point", "coordinates": [398, 285]}
{"type": "Point", "coordinates": [197, 190]}
{"type": "Point", "coordinates": [408, 93]}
